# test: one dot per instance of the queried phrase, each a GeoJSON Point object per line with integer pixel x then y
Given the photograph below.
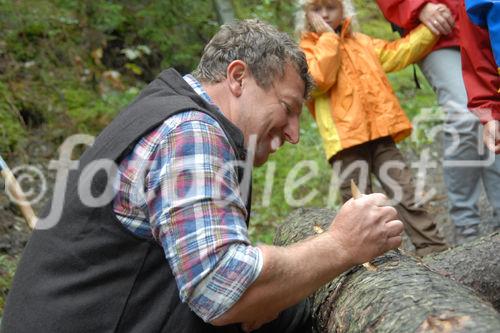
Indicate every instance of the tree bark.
{"type": "Point", "coordinates": [401, 295]}
{"type": "Point", "coordinates": [475, 264]}
{"type": "Point", "coordinates": [225, 11]}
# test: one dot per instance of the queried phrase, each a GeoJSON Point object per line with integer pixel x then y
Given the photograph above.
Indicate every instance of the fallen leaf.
{"type": "Point", "coordinates": [317, 229]}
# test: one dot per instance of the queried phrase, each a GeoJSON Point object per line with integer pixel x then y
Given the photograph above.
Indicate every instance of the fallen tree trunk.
{"type": "Point", "coordinates": [475, 264]}
{"type": "Point", "coordinates": [401, 295]}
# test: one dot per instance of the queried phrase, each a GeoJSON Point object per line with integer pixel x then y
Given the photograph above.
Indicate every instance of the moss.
{"type": "Point", "coordinates": [7, 269]}
{"type": "Point", "coordinates": [92, 112]}
{"type": "Point", "coordinates": [12, 132]}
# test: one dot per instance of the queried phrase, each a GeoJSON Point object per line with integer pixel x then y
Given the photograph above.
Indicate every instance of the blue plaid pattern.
{"type": "Point", "coordinates": [176, 187]}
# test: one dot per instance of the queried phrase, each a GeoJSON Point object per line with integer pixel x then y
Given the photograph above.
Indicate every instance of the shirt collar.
{"type": "Point", "coordinates": [198, 88]}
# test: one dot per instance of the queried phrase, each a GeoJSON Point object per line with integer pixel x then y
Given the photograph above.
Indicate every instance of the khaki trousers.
{"type": "Point", "coordinates": [382, 158]}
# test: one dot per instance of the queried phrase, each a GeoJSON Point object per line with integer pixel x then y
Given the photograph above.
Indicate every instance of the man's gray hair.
{"type": "Point", "coordinates": [261, 46]}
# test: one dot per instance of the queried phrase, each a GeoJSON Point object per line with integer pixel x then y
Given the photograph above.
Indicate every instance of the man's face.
{"type": "Point", "coordinates": [272, 114]}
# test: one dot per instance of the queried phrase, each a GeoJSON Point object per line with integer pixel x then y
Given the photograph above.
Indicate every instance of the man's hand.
{"type": "Point", "coordinates": [491, 135]}
{"type": "Point", "coordinates": [317, 23]}
{"type": "Point", "coordinates": [366, 228]}
{"type": "Point", "coordinates": [437, 17]}
{"type": "Point", "coordinates": [363, 229]}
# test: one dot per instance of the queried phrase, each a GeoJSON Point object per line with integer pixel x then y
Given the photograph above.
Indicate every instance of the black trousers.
{"type": "Point", "coordinates": [296, 319]}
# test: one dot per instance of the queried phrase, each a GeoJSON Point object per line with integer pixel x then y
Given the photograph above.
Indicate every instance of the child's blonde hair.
{"type": "Point", "coordinates": [300, 15]}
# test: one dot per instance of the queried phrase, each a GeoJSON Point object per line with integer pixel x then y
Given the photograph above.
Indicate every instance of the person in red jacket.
{"type": "Point", "coordinates": [480, 46]}
{"type": "Point", "coordinates": [465, 166]}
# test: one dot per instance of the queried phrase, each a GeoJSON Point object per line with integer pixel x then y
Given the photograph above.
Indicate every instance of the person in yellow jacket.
{"type": "Point", "coordinates": [358, 116]}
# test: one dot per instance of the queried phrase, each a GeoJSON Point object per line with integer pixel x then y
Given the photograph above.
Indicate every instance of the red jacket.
{"type": "Point", "coordinates": [404, 13]}
{"type": "Point", "coordinates": [481, 76]}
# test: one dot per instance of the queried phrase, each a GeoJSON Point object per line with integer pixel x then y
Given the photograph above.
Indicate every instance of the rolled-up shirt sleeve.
{"type": "Point", "coordinates": [198, 216]}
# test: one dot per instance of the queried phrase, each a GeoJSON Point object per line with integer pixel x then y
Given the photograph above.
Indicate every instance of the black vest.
{"type": "Point", "coordinates": [88, 273]}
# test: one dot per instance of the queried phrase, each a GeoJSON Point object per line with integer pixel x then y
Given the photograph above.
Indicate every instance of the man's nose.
{"type": "Point", "coordinates": [292, 130]}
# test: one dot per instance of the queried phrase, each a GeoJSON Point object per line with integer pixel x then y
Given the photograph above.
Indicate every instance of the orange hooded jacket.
{"type": "Point", "coordinates": [353, 102]}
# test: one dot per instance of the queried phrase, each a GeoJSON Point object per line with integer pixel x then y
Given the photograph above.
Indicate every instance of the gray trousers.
{"type": "Point", "coordinates": [462, 143]}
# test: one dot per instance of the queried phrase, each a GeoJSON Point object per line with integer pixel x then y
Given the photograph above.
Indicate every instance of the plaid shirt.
{"type": "Point", "coordinates": [175, 187]}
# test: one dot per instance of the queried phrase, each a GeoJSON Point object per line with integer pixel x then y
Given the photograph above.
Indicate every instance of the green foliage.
{"type": "Point", "coordinates": [7, 269]}
{"type": "Point", "coordinates": [177, 29]}
{"type": "Point", "coordinates": [11, 131]}
{"type": "Point", "coordinates": [90, 112]}
{"type": "Point", "coordinates": [281, 13]}
{"type": "Point", "coordinates": [371, 20]}
{"type": "Point", "coordinates": [53, 50]}
{"type": "Point", "coordinates": [105, 16]}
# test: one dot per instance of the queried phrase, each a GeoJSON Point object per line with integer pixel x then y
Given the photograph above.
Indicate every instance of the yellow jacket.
{"type": "Point", "coordinates": [354, 102]}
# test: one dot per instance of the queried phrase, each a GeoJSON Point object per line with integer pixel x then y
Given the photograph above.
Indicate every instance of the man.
{"type": "Point", "coordinates": [443, 69]}
{"type": "Point", "coordinates": [170, 252]}
{"type": "Point", "coordinates": [480, 46]}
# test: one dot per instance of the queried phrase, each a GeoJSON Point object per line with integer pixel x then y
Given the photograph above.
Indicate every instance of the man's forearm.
{"type": "Point", "coordinates": [363, 229]}
{"type": "Point", "coordinates": [289, 275]}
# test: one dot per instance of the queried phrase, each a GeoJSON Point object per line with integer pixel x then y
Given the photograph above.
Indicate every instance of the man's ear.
{"type": "Point", "coordinates": [237, 70]}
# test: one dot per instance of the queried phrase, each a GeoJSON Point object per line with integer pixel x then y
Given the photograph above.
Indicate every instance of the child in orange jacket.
{"type": "Point", "coordinates": [359, 117]}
